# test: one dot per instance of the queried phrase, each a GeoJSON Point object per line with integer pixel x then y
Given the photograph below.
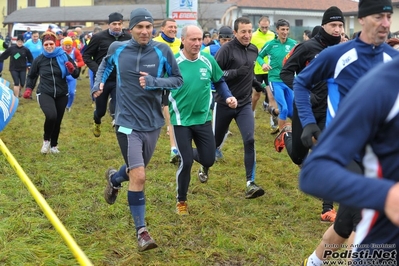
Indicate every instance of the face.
{"type": "Point", "coordinates": [142, 32]}
{"type": "Point", "coordinates": [67, 47]}
{"type": "Point", "coordinates": [244, 33]}
{"type": "Point", "coordinates": [192, 42]}
{"type": "Point", "coordinates": [49, 46]}
{"type": "Point", "coordinates": [283, 32]}
{"type": "Point", "coordinates": [224, 40]}
{"type": "Point", "coordinates": [115, 26]}
{"type": "Point", "coordinates": [35, 37]}
{"type": "Point", "coordinates": [334, 28]}
{"type": "Point", "coordinates": [375, 28]}
{"type": "Point", "coordinates": [207, 39]}
{"type": "Point", "coordinates": [20, 43]}
{"type": "Point", "coordinates": [264, 25]}
{"type": "Point", "coordinates": [170, 29]}
{"type": "Point", "coordinates": [305, 37]}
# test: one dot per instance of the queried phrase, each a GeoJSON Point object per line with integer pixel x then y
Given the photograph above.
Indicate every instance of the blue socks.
{"type": "Point", "coordinates": [136, 200]}
{"type": "Point", "coordinates": [120, 176]}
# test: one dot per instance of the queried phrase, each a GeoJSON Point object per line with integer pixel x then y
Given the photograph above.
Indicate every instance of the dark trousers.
{"type": "Point", "coordinates": [244, 118]}
{"type": "Point", "coordinates": [109, 90]}
{"type": "Point", "coordinates": [204, 153]}
{"type": "Point", "coordinates": [53, 109]}
{"type": "Point", "coordinates": [296, 150]}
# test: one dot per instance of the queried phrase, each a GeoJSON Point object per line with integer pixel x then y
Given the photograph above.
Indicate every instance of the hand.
{"type": "Point", "coordinates": [100, 90]}
{"type": "Point", "coordinates": [392, 204]}
{"type": "Point", "coordinates": [28, 93]}
{"type": "Point", "coordinates": [232, 102]}
{"type": "Point", "coordinates": [242, 71]}
{"type": "Point", "coordinates": [142, 79]}
{"type": "Point", "coordinates": [70, 67]}
{"type": "Point", "coordinates": [309, 132]}
{"type": "Point", "coordinates": [266, 67]}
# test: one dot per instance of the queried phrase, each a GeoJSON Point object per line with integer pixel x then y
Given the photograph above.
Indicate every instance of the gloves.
{"type": "Point", "coordinates": [309, 131]}
{"type": "Point", "coordinates": [242, 71]}
{"type": "Point", "coordinates": [28, 93]}
{"type": "Point", "coordinates": [69, 67]}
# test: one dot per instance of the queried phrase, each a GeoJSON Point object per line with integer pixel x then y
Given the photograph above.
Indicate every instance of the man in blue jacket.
{"type": "Point", "coordinates": [138, 111]}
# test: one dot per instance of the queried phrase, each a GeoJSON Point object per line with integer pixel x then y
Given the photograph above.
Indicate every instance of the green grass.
{"type": "Point", "coordinates": [223, 228]}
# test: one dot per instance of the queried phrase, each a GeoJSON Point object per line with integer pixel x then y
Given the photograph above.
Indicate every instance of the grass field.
{"type": "Point", "coordinates": [223, 228]}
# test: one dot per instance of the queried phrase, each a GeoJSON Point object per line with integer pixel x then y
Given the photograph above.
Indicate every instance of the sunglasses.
{"type": "Point", "coordinates": [48, 44]}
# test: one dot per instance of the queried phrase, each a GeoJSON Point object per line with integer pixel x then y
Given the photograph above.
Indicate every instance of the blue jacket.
{"type": "Point", "coordinates": [137, 108]}
{"type": "Point", "coordinates": [341, 66]}
{"type": "Point", "coordinates": [367, 123]}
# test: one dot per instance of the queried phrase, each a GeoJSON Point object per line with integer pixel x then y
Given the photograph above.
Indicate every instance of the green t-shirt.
{"type": "Point", "coordinates": [190, 105]}
{"type": "Point", "coordinates": [276, 52]}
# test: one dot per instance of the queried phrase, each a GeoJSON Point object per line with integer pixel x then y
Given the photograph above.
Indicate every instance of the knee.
{"type": "Point", "coordinates": [342, 230]}
{"type": "Point", "coordinates": [137, 176]}
{"type": "Point", "coordinates": [249, 140]}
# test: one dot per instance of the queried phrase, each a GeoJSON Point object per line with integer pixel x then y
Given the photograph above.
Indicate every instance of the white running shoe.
{"type": "Point", "coordinates": [46, 147]}
{"type": "Point", "coordinates": [54, 150]}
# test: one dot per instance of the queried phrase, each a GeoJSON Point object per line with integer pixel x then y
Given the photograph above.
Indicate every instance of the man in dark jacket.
{"type": "Point", "coordinates": [93, 55]}
{"type": "Point", "coordinates": [236, 58]}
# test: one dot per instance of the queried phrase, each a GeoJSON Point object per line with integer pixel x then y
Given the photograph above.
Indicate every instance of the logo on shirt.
{"type": "Point", "coordinates": [203, 73]}
{"type": "Point", "coordinates": [150, 66]}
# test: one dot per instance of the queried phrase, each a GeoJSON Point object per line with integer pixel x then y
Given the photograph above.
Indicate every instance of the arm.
{"type": "Point", "coordinates": [320, 69]}
{"type": "Point", "coordinates": [293, 66]}
{"type": "Point", "coordinates": [90, 52]}
{"type": "Point", "coordinates": [326, 165]}
{"type": "Point", "coordinates": [79, 59]}
{"type": "Point", "coordinates": [222, 89]}
{"type": "Point", "coordinates": [174, 79]}
{"type": "Point", "coordinates": [223, 59]}
{"type": "Point", "coordinates": [33, 74]}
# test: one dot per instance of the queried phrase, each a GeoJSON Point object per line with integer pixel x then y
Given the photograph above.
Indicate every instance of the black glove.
{"type": "Point", "coordinates": [309, 131]}
{"type": "Point", "coordinates": [242, 71]}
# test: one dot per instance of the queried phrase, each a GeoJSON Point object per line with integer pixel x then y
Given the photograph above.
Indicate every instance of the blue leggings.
{"type": "Point", "coordinates": [71, 90]}
{"type": "Point", "coordinates": [284, 97]}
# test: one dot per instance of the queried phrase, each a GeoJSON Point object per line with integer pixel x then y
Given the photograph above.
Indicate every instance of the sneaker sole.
{"type": "Point", "coordinates": [202, 177]}
{"type": "Point", "coordinates": [148, 247]}
{"type": "Point", "coordinates": [107, 188]}
{"type": "Point", "coordinates": [256, 194]}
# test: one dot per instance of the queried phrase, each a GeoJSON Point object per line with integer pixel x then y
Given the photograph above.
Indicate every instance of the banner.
{"type": "Point", "coordinates": [185, 12]}
{"type": "Point", "coordinates": [8, 103]}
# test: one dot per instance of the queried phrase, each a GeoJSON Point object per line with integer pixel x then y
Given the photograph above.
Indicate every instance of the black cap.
{"type": "Point", "coordinates": [225, 32]}
{"type": "Point", "coordinates": [371, 7]}
{"type": "Point", "coordinates": [114, 17]}
{"type": "Point", "coordinates": [206, 34]}
{"type": "Point", "coordinates": [332, 14]}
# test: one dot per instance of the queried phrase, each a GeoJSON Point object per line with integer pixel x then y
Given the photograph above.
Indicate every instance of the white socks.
{"type": "Point", "coordinates": [313, 260]}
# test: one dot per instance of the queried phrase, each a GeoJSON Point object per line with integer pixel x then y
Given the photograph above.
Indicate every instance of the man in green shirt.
{"type": "Point", "coordinates": [190, 112]}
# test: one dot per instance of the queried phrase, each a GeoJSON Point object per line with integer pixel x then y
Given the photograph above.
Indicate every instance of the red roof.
{"type": "Point", "coordinates": [316, 5]}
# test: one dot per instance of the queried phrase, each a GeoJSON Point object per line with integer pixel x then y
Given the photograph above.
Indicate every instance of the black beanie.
{"type": "Point", "coordinates": [114, 17]}
{"type": "Point", "coordinates": [138, 15]}
{"type": "Point", "coordinates": [333, 13]}
{"type": "Point", "coordinates": [370, 7]}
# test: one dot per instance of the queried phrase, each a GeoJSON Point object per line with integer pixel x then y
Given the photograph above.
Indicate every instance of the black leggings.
{"type": "Point", "coordinates": [53, 109]}
{"type": "Point", "coordinates": [102, 100]}
{"type": "Point", "coordinates": [244, 118]}
{"type": "Point", "coordinates": [19, 77]}
{"type": "Point", "coordinates": [204, 140]}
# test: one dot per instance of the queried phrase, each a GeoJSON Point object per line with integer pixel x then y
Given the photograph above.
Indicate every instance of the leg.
{"type": "Point", "coordinates": [137, 154]}
{"type": "Point", "coordinates": [184, 136]}
{"type": "Point", "coordinates": [60, 104]}
{"type": "Point", "coordinates": [246, 125]}
{"type": "Point", "coordinates": [47, 104]}
{"type": "Point", "coordinates": [101, 106]}
{"type": "Point", "coordinates": [205, 143]}
{"type": "Point", "coordinates": [71, 91]}
{"type": "Point", "coordinates": [15, 77]}
{"type": "Point", "coordinates": [255, 98]}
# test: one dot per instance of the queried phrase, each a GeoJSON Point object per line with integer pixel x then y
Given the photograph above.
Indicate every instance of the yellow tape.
{"type": "Point", "coordinates": [77, 252]}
